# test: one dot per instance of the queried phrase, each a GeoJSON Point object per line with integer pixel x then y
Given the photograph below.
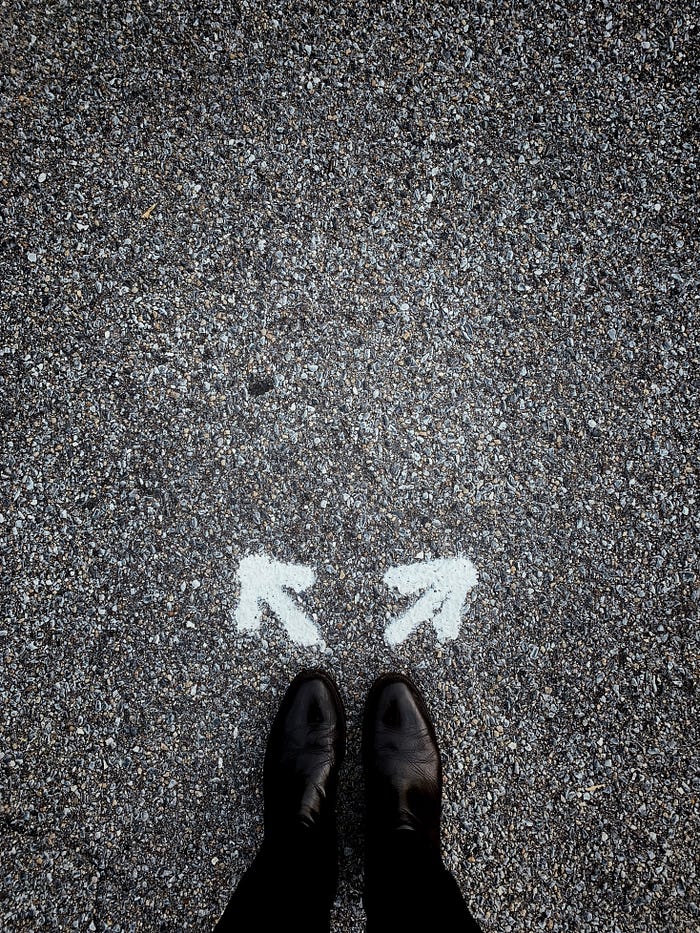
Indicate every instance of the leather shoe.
{"type": "Point", "coordinates": [401, 761]}
{"type": "Point", "coordinates": [304, 752]}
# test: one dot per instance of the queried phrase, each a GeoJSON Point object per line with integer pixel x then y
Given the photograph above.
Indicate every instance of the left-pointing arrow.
{"type": "Point", "coordinates": [265, 581]}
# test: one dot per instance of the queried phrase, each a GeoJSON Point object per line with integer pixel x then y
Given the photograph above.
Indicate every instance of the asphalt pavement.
{"type": "Point", "coordinates": [352, 292]}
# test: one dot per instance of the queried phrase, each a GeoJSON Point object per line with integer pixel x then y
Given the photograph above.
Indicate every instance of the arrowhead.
{"type": "Point", "coordinates": [443, 585]}
{"type": "Point", "coordinates": [265, 581]}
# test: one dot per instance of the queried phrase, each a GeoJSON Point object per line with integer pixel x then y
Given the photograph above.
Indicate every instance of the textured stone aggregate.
{"type": "Point", "coordinates": [355, 285]}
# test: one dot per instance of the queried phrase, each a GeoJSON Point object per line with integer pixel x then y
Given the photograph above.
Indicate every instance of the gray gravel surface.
{"type": "Point", "coordinates": [354, 285]}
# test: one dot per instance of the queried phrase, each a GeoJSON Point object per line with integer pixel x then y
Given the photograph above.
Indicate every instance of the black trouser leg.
{"type": "Point", "coordinates": [290, 886]}
{"type": "Point", "coordinates": [409, 890]}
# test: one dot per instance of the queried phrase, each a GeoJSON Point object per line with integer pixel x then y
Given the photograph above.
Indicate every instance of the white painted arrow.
{"type": "Point", "coordinates": [443, 585]}
{"type": "Point", "coordinates": [265, 581]}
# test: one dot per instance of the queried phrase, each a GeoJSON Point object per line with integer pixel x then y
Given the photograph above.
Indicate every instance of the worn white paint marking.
{"type": "Point", "coordinates": [443, 585]}
{"type": "Point", "coordinates": [265, 581]}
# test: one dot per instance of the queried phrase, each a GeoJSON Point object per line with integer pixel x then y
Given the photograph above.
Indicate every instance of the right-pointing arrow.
{"type": "Point", "coordinates": [443, 585]}
{"type": "Point", "coordinates": [265, 580]}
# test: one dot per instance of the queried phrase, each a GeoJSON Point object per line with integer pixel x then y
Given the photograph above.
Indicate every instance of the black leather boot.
{"type": "Point", "coordinates": [304, 751]}
{"type": "Point", "coordinates": [407, 887]}
{"type": "Point", "coordinates": [401, 760]}
{"type": "Point", "coordinates": [292, 882]}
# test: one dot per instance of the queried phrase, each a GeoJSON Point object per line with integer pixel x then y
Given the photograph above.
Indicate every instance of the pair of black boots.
{"type": "Point", "coordinates": [292, 882]}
